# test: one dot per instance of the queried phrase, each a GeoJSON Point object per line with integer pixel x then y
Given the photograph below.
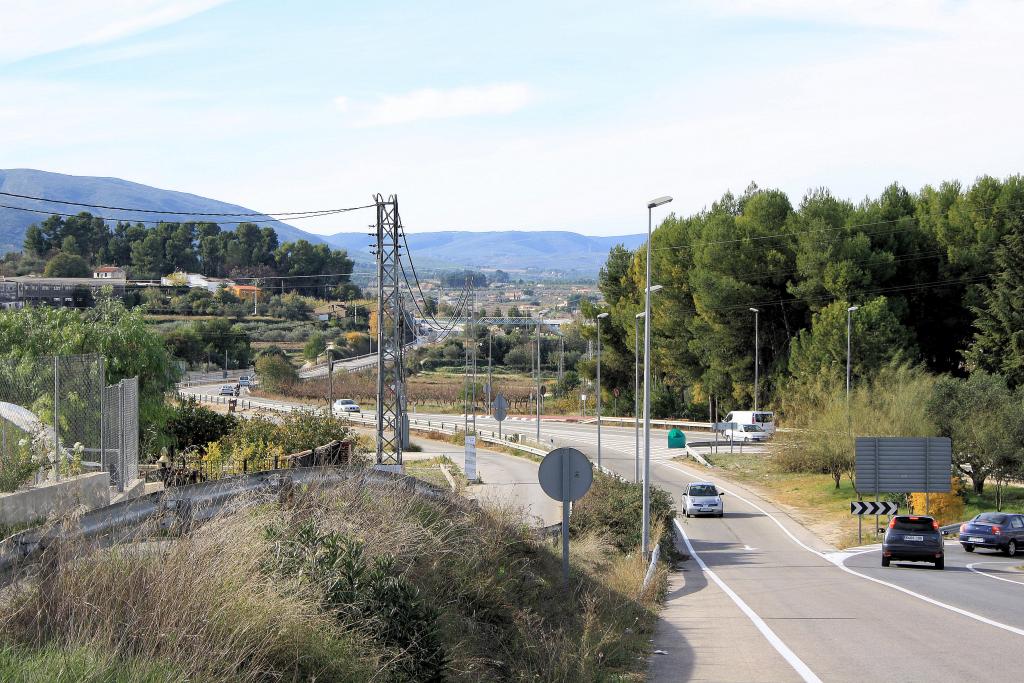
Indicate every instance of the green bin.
{"type": "Point", "coordinates": [676, 439]}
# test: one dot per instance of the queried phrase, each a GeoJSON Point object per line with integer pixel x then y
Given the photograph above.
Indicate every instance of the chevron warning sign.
{"type": "Point", "coordinates": [870, 507]}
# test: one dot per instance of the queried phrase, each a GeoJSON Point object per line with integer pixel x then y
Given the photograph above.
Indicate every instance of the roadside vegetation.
{"type": "Point", "coordinates": [316, 587]}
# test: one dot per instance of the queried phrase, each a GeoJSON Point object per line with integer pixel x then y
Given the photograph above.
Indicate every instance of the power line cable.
{"type": "Point", "coordinates": [184, 213]}
{"type": "Point", "coordinates": [158, 222]}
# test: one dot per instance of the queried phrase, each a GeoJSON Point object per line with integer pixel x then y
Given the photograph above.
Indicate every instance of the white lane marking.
{"type": "Point", "coordinates": [840, 563]}
{"type": "Point", "coordinates": [798, 665]}
{"type": "Point", "coordinates": [972, 566]}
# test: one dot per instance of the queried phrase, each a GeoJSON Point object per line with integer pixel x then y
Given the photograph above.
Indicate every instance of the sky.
{"type": "Point", "coordinates": [480, 115]}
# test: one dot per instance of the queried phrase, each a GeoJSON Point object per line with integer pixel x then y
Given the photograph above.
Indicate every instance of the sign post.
{"type": "Point", "coordinates": [500, 411]}
{"type": "Point", "coordinates": [471, 474]}
{"type": "Point", "coordinates": [565, 474]}
{"type": "Point", "coordinates": [894, 464]}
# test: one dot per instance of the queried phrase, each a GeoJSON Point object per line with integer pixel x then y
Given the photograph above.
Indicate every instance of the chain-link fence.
{"type": "Point", "coordinates": [53, 417]}
{"type": "Point", "coordinates": [52, 405]}
{"type": "Point", "coordinates": [120, 427]}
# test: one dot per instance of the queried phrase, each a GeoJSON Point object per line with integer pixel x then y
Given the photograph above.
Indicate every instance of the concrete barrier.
{"type": "Point", "coordinates": [44, 500]}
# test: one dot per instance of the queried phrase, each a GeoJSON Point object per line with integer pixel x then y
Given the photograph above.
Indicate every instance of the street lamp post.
{"type": "Point", "coordinates": [757, 357]}
{"type": "Point", "coordinates": [636, 395]}
{"type": "Point", "coordinates": [490, 352]}
{"type": "Point", "coordinates": [330, 379]}
{"type": "Point", "coordinates": [849, 315]}
{"type": "Point", "coordinates": [599, 317]}
{"type": "Point", "coordinates": [646, 536]}
{"type": "Point", "coordinates": [538, 380]}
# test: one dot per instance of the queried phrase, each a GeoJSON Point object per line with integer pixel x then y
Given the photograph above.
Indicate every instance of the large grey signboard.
{"type": "Point", "coordinates": [897, 464]}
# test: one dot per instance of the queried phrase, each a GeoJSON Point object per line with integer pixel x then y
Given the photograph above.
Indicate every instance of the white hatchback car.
{"type": "Point", "coordinates": [702, 498]}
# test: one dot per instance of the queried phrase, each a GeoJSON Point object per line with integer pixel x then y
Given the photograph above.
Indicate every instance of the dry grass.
{"type": "Point", "coordinates": [212, 606]}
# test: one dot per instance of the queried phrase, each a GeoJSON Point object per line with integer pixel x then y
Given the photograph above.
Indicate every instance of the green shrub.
{"type": "Point", "coordinates": [275, 372]}
{"type": "Point", "coordinates": [613, 508]}
{"type": "Point", "coordinates": [369, 595]}
{"type": "Point", "coordinates": [301, 430]}
{"type": "Point", "coordinates": [16, 466]}
{"type": "Point", "coordinates": [191, 424]}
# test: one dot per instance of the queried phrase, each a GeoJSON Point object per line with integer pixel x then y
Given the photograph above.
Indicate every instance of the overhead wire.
{"type": "Point", "coordinates": [159, 222]}
{"type": "Point", "coordinates": [183, 213]}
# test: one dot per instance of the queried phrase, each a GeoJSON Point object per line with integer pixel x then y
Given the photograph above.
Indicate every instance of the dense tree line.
{"type": "Point", "coordinates": [248, 251]}
{"type": "Point", "coordinates": [937, 276]}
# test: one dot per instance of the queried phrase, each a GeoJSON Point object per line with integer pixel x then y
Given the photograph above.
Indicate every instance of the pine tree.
{"type": "Point", "coordinates": [998, 344]}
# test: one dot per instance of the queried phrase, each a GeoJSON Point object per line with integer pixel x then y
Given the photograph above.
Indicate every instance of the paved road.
{"type": "Point", "coordinates": [762, 599]}
{"type": "Point", "coordinates": [508, 481]}
{"type": "Point", "coordinates": [772, 602]}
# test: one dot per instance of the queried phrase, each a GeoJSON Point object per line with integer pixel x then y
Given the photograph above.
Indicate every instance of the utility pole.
{"type": "Point", "coordinates": [390, 380]}
{"type": "Point", "coordinates": [599, 317]}
{"type": "Point", "coordinates": [636, 395]}
{"type": "Point", "coordinates": [757, 357]}
{"type": "Point", "coordinates": [561, 359]}
{"type": "Point", "coordinates": [538, 380]}
{"type": "Point", "coordinates": [645, 541]}
{"type": "Point", "coordinates": [490, 352]}
{"type": "Point", "coordinates": [330, 379]}
{"type": "Point", "coordinates": [849, 314]}
{"type": "Point", "coordinates": [473, 340]}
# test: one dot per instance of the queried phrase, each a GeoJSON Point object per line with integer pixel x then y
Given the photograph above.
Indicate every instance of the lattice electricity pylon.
{"type": "Point", "coordinates": [390, 382]}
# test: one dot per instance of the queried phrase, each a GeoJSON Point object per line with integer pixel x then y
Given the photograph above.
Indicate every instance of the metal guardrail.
{"type": "Point", "coordinates": [512, 444]}
{"type": "Point", "coordinates": [656, 423]}
{"type": "Point", "coordinates": [185, 506]}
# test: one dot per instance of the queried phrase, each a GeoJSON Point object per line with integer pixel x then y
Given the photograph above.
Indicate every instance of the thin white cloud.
{"type": "Point", "coordinates": [431, 103]}
{"type": "Point", "coordinates": [925, 15]}
{"type": "Point", "coordinates": [32, 28]}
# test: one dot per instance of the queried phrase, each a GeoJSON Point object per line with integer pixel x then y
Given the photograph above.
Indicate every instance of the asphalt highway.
{"type": "Point", "coordinates": [763, 599]}
{"type": "Point", "coordinates": [799, 610]}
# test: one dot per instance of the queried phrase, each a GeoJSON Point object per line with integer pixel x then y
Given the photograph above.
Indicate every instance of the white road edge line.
{"type": "Point", "coordinates": [791, 658]}
{"type": "Point", "coordinates": [840, 565]}
{"type": "Point", "coordinates": [986, 574]}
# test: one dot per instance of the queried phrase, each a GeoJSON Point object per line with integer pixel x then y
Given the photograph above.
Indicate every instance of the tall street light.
{"type": "Point", "coordinates": [849, 314]}
{"type": "Point", "coordinates": [330, 379]}
{"type": "Point", "coordinates": [757, 356]}
{"type": "Point", "coordinates": [646, 539]}
{"type": "Point", "coordinates": [636, 394]}
{"type": "Point", "coordinates": [599, 317]}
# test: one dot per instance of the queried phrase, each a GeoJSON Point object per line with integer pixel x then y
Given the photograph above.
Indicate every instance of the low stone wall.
{"type": "Point", "coordinates": [43, 501]}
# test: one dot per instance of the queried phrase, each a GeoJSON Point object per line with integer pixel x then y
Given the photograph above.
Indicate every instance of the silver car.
{"type": "Point", "coordinates": [702, 498]}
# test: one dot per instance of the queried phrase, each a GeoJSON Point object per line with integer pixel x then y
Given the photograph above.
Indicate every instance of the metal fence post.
{"type": "Point", "coordinates": [103, 416]}
{"type": "Point", "coordinates": [121, 437]}
{"type": "Point", "coordinates": [56, 415]}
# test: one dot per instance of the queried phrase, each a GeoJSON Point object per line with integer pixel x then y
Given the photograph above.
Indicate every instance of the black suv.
{"type": "Point", "coordinates": [915, 538]}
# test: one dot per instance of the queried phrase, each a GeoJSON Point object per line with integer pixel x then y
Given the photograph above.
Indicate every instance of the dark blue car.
{"type": "Point", "coordinates": [1001, 531]}
{"type": "Point", "coordinates": [915, 538]}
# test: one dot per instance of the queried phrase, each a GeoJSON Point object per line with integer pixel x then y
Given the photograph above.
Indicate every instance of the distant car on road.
{"type": "Point", "coordinates": [346, 405]}
{"type": "Point", "coordinates": [244, 381]}
{"type": "Point", "coordinates": [746, 433]}
{"type": "Point", "coordinates": [765, 419]}
{"type": "Point", "coordinates": [702, 498]}
{"type": "Point", "coordinates": [997, 530]}
{"type": "Point", "coordinates": [229, 390]}
{"type": "Point", "coordinates": [913, 538]}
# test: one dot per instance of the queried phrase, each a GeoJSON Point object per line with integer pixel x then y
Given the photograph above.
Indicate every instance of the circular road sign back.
{"type": "Point", "coordinates": [500, 408]}
{"type": "Point", "coordinates": [553, 475]}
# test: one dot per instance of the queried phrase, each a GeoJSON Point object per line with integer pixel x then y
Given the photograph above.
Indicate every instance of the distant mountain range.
{"type": "Point", "coordinates": [546, 251]}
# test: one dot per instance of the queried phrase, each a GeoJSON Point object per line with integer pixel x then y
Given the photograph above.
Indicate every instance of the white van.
{"type": "Point", "coordinates": [765, 419]}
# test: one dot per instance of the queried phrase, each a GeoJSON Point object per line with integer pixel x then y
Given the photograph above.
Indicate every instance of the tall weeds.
{"type": "Point", "coordinates": [237, 599]}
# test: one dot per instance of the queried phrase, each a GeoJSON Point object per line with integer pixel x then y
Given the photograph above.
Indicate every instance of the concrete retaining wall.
{"type": "Point", "coordinates": [41, 502]}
